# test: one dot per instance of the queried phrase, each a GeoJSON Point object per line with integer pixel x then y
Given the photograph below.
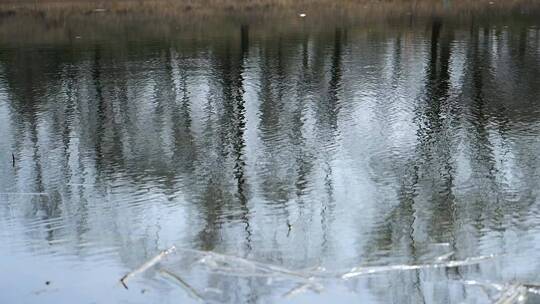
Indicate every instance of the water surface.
{"type": "Point", "coordinates": [314, 150]}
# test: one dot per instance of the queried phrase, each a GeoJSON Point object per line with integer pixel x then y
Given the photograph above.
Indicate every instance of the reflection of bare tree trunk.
{"type": "Point", "coordinates": [433, 151]}
{"type": "Point", "coordinates": [483, 149]}
{"type": "Point", "coordinates": [303, 163]}
{"type": "Point", "coordinates": [27, 89]}
{"type": "Point", "coordinates": [484, 166]}
{"type": "Point", "coordinates": [272, 106]}
{"type": "Point", "coordinates": [240, 121]}
{"type": "Point", "coordinates": [96, 77]}
{"type": "Point", "coordinates": [108, 139]}
{"type": "Point", "coordinates": [183, 155]}
{"type": "Point", "coordinates": [331, 110]}
{"type": "Point", "coordinates": [231, 140]}
{"type": "Point", "coordinates": [430, 174]}
{"type": "Point", "coordinates": [396, 62]}
{"type": "Point", "coordinates": [433, 134]}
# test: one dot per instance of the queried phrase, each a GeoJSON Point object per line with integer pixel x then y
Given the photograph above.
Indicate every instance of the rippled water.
{"type": "Point", "coordinates": [313, 151]}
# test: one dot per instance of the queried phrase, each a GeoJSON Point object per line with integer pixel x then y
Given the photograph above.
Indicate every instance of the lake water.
{"type": "Point", "coordinates": [272, 159]}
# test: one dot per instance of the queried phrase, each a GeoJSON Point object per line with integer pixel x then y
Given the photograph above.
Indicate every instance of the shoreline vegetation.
{"type": "Point", "coordinates": [82, 21]}
{"type": "Point", "coordinates": [366, 9]}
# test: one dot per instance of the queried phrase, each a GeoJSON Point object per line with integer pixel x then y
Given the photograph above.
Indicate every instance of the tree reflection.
{"type": "Point", "coordinates": [240, 145]}
{"type": "Point", "coordinates": [231, 143]}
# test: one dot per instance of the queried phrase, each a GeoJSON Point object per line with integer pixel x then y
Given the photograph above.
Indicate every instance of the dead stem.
{"type": "Point", "coordinates": [515, 293]}
{"type": "Point", "coordinates": [146, 265]}
{"type": "Point", "coordinates": [303, 287]}
{"type": "Point", "coordinates": [212, 259]}
{"type": "Point", "coordinates": [445, 257]}
{"type": "Point", "coordinates": [358, 271]}
{"type": "Point", "coordinates": [191, 291]}
{"type": "Point", "coordinates": [507, 291]}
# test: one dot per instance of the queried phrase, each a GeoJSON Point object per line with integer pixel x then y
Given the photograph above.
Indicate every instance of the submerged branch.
{"type": "Point", "coordinates": [223, 261]}
{"type": "Point", "coordinates": [310, 280]}
{"type": "Point", "coordinates": [191, 291]}
{"type": "Point", "coordinates": [146, 265]}
{"type": "Point", "coordinates": [358, 271]}
{"type": "Point", "coordinates": [515, 293]}
{"type": "Point", "coordinates": [445, 257]}
{"type": "Point", "coordinates": [508, 293]}
{"type": "Point", "coordinates": [301, 288]}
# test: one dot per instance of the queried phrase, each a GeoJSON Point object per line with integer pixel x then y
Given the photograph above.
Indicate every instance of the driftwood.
{"type": "Point", "coordinates": [312, 280]}
{"type": "Point", "coordinates": [359, 271]}
{"type": "Point", "coordinates": [507, 293]}
{"type": "Point", "coordinates": [241, 266]}
{"type": "Point", "coordinates": [513, 294]}
{"type": "Point", "coordinates": [190, 290]}
{"type": "Point", "coordinates": [301, 288]}
{"type": "Point", "coordinates": [153, 261]}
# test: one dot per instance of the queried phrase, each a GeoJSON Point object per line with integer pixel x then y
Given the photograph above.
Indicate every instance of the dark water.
{"type": "Point", "coordinates": [313, 151]}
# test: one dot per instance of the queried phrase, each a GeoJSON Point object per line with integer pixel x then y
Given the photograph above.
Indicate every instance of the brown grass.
{"type": "Point", "coordinates": [255, 9]}
{"type": "Point", "coordinates": [63, 21]}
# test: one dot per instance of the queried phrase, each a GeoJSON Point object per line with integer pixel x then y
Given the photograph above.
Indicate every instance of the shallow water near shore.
{"type": "Point", "coordinates": [389, 162]}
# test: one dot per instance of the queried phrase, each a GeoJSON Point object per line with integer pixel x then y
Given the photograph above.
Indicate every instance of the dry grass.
{"type": "Point", "coordinates": [255, 9]}
{"type": "Point", "coordinates": [63, 21]}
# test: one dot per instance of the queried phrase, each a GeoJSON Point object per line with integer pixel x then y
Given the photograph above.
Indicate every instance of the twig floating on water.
{"type": "Point", "coordinates": [191, 291]}
{"type": "Point", "coordinates": [146, 265]}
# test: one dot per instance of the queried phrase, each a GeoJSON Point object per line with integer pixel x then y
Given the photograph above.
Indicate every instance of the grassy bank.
{"type": "Point", "coordinates": [79, 21]}
{"type": "Point", "coordinates": [367, 9]}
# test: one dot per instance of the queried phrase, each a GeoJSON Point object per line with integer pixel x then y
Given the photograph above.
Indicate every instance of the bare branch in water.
{"type": "Point", "coordinates": [307, 280]}
{"type": "Point", "coordinates": [495, 286]}
{"type": "Point", "coordinates": [509, 293]}
{"type": "Point", "coordinates": [301, 288]}
{"type": "Point", "coordinates": [191, 291]}
{"type": "Point", "coordinates": [512, 294]}
{"type": "Point", "coordinates": [358, 271]}
{"type": "Point", "coordinates": [533, 288]}
{"type": "Point", "coordinates": [445, 257]}
{"type": "Point", "coordinates": [226, 262]}
{"type": "Point", "coordinates": [146, 265]}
